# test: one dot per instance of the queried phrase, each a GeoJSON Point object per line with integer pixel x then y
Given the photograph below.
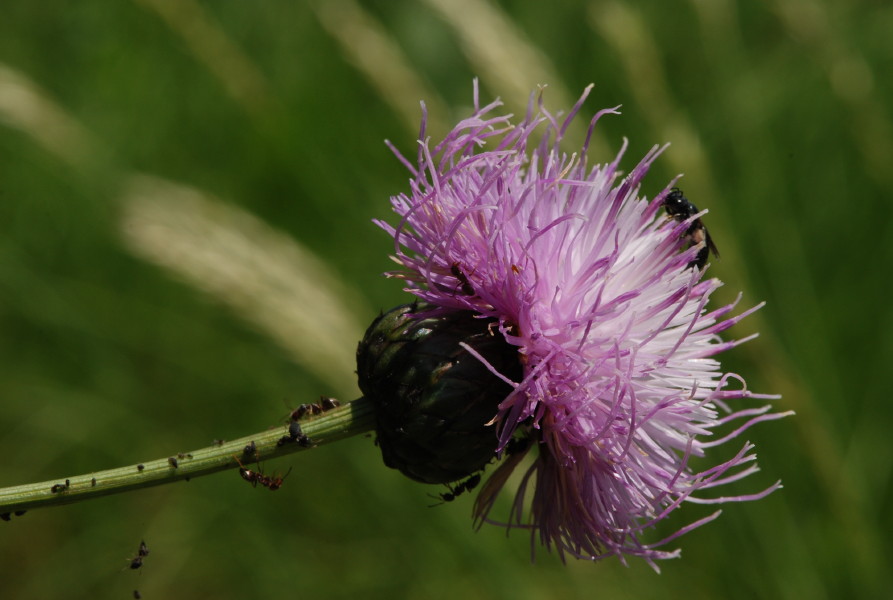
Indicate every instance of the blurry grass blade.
{"type": "Point", "coordinates": [25, 107]}
{"type": "Point", "coordinates": [849, 76]}
{"type": "Point", "coordinates": [269, 279]}
{"type": "Point", "coordinates": [266, 277]}
{"type": "Point", "coordinates": [499, 49]}
{"type": "Point", "coordinates": [213, 47]}
{"type": "Point", "coordinates": [373, 51]}
{"type": "Point", "coordinates": [625, 31]}
{"type": "Point", "coordinates": [507, 61]}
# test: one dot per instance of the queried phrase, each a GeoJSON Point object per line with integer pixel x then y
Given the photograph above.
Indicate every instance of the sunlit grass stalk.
{"type": "Point", "coordinates": [338, 423]}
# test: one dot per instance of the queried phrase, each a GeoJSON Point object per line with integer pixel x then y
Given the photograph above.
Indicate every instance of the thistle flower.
{"type": "Point", "coordinates": [592, 287]}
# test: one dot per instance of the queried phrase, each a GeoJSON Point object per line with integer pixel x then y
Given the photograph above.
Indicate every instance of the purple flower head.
{"type": "Point", "coordinates": [593, 285]}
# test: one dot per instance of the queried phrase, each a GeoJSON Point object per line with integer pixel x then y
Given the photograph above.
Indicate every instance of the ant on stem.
{"type": "Point", "coordinates": [254, 477]}
{"type": "Point", "coordinates": [325, 403]}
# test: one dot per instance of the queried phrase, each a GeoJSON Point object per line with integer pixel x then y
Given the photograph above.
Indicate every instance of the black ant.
{"type": "Point", "coordinates": [464, 284]}
{"type": "Point", "coordinates": [137, 561]}
{"type": "Point", "coordinates": [275, 482]}
{"type": "Point", "coordinates": [303, 410]}
{"type": "Point", "coordinates": [678, 207]}
{"type": "Point", "coordinates": [247, 474]}
{"type": "Point", "coordinates": [254, 477]}
{"type": "Point", "coordinates": [59, 487]}
{"type": "Point", "coordinates": [325, 403]}
{"type": "Point", "coordinates": [173, 462]}
{"type": "Point", "coordinates": [328, 403]}
{"type": "Point", "coordinates": [517, 445]}
{"type": "Point", "coordinates": [457, 490]}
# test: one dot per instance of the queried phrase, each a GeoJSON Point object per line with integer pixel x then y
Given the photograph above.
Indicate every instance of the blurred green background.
{"type": "Point", "coordinates": [138, 319]}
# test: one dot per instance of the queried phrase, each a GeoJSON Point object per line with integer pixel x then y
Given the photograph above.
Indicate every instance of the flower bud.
{"type": "Point", "coordinates": [433, 399]}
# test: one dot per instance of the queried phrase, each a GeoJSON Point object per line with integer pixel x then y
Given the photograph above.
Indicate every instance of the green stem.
{"type": "Point", "coordinates": [338, 423]}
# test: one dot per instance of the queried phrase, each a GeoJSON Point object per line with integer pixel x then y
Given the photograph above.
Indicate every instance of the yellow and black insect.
{"type": "Point", "coordinates": [678, 207]}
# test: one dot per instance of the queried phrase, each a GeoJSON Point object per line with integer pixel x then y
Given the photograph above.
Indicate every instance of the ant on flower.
{"type": "Point", "coordinates": [455, 491]}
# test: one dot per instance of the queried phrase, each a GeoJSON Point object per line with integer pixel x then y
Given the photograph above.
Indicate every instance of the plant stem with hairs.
{"type": "Point", "coordinates": [338, 423]}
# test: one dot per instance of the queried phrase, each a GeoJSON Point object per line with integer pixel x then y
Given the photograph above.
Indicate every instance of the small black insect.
{"type": "Point", "coordinates": [140, 467]}
{"type": "Point", "coordinates": [182, 455]}
{"type": "Point", "coordinates": [59, 487]}
{"type": "Point", "coordinates": [304, 410]}
{"type": "Point", "coordinates": [173, 462]}
{"type": "Point", "coordinates": [295, 434]}
{"type": "Point", "coordinates": [218, 442]}
{"type": "Point", "coordinates": [137, 561]}
{"type": "Point", "coordinates": [93, 482]}
{"type": "Point", "coordinates": [254, 477]}
{"type": "Point", "coordinates": [327, 403]}
{"type": "Point", "coordinates": [517, 445]}
{"type": "Point", "coordinates": [458, 489]}
{"type": "Point", "coordinates": [250, 451]}
{"type": "Point", "coordinates": [678, 207]}
{"type": "Point", "coordinates": [247, 474]}
{"type": "Point", "coordinates": [464, 284]}
{"type": "Point", "coordinates": [275, 482]}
